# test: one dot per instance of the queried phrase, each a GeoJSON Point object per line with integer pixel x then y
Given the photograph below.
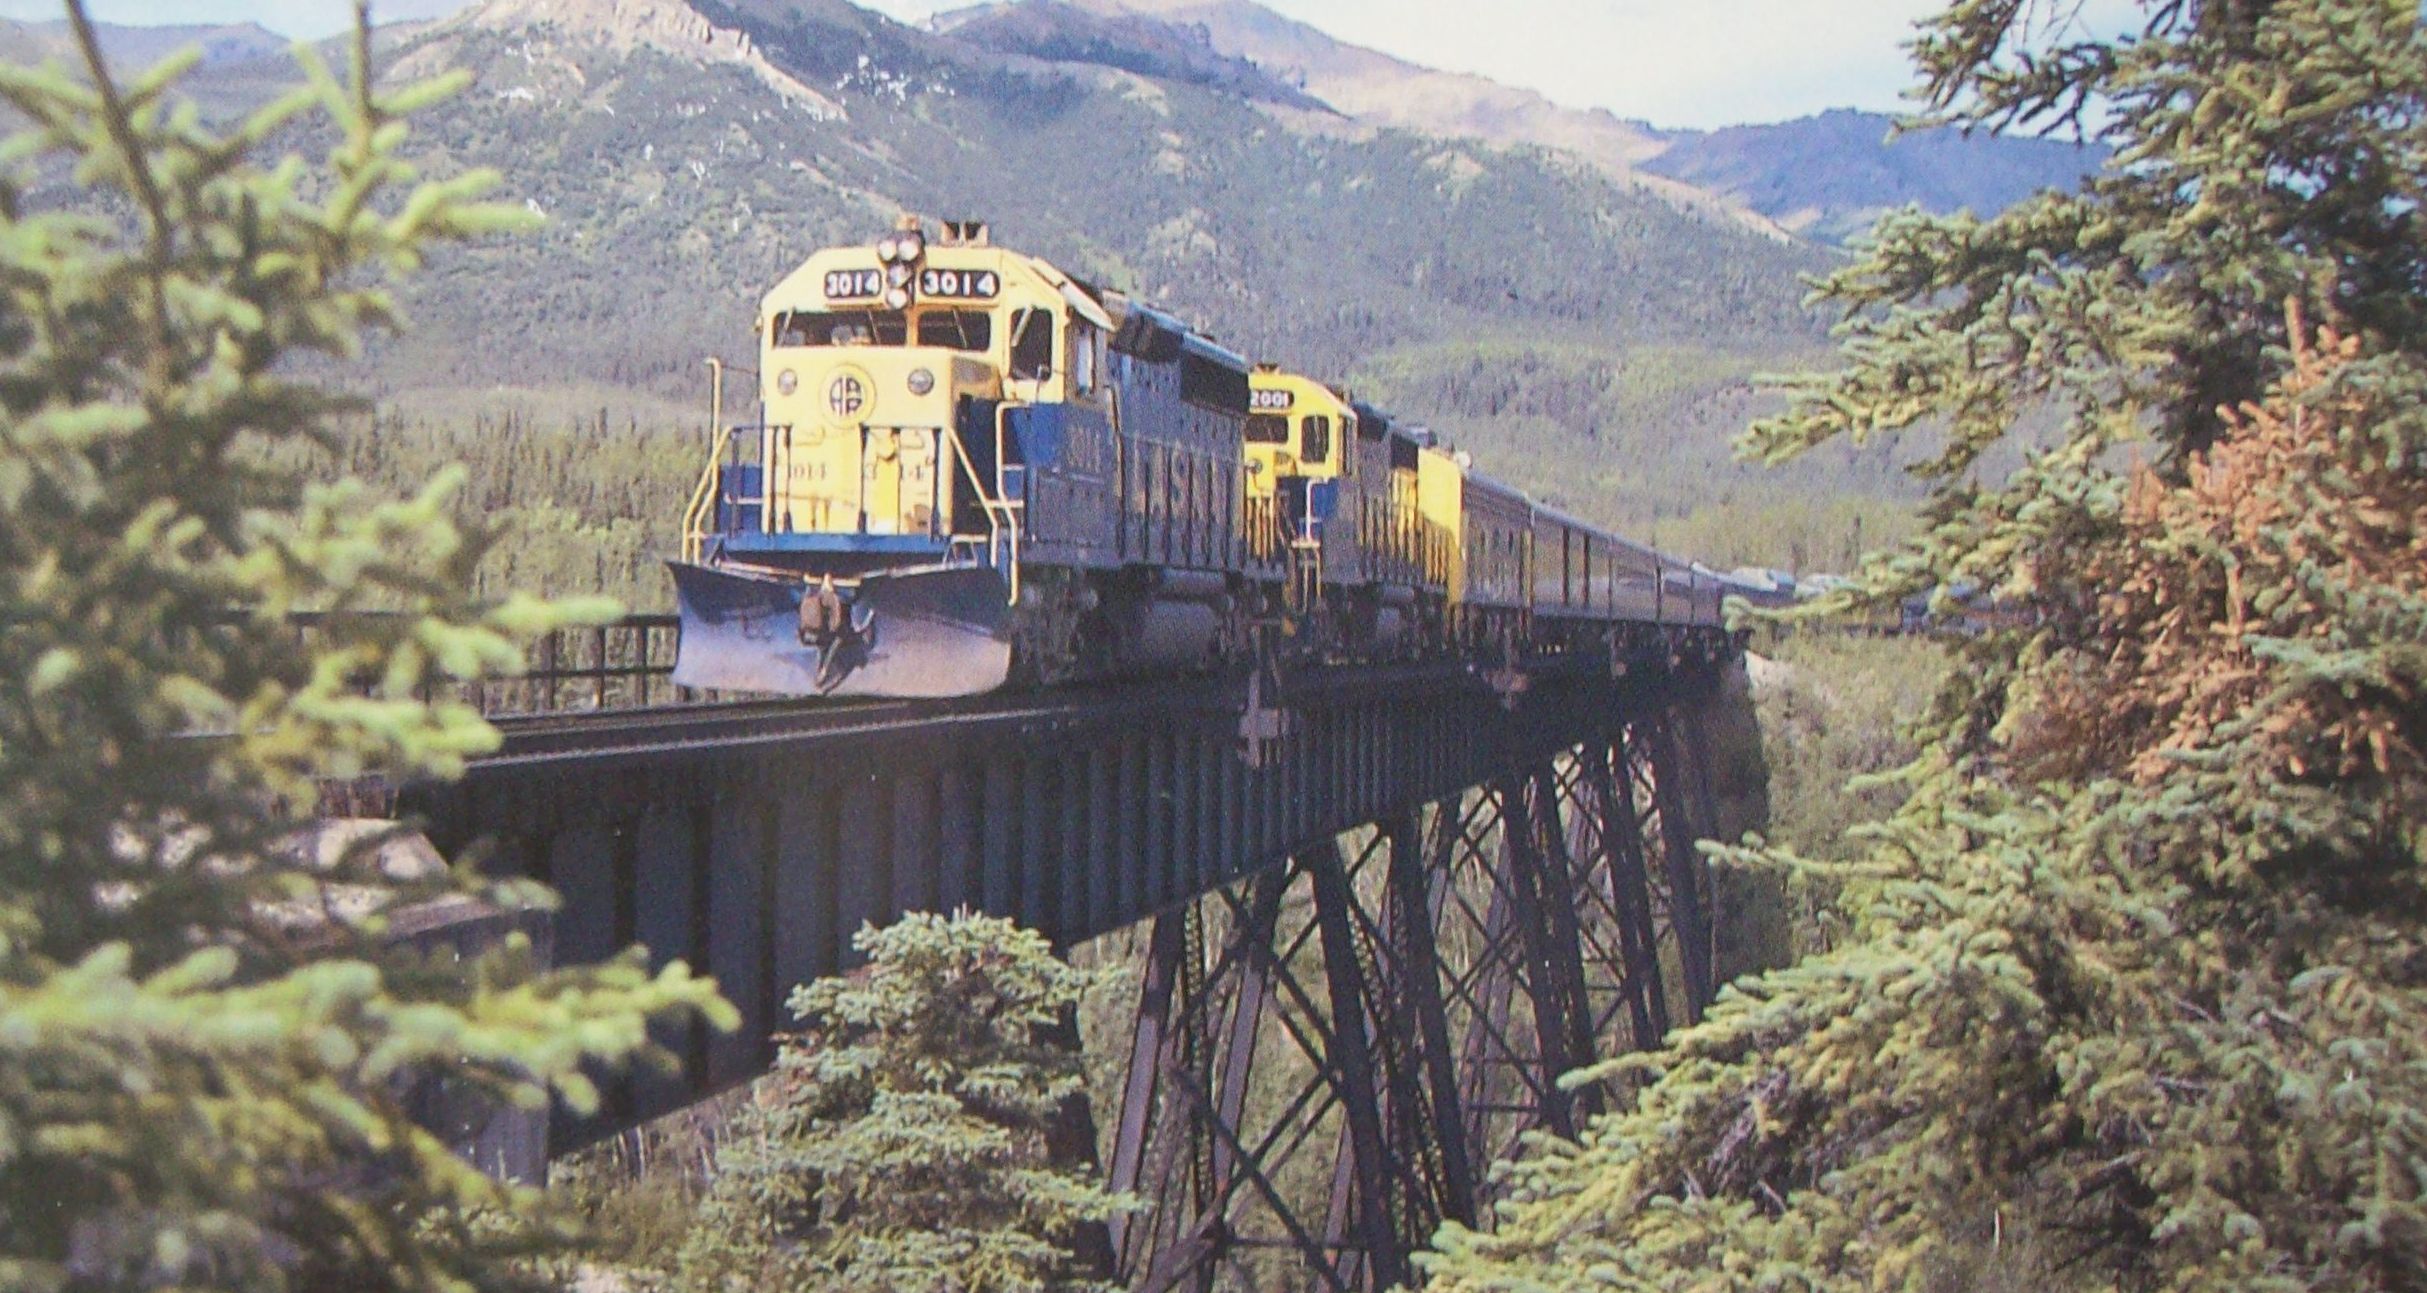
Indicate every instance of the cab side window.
{"type": "Point", "coordinates": [1031, 345]}
{"type": "Point", "coordinates": [1316, 447]}
{"type": "Point", "coordinates": [1086, 346]}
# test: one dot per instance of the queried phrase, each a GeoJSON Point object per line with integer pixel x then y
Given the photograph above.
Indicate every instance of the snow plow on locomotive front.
{"type": "Point", "coordinates": [862, 536]}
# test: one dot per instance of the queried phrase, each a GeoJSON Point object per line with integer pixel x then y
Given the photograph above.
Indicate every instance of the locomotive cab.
{"type": "Point", "coordinates": [874, 512]}
{"type": "Point", "coordinates": [1297, 439]}
{"type": "Point", "coordinates": [883, 377]}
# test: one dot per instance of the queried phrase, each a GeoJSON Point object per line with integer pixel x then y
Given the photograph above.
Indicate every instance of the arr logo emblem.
{"type": "Point", "coordinates": [846, 396]}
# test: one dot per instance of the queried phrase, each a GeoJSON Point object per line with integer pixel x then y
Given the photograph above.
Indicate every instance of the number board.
{"type": "Point", "coordinates": [852, 284]}
{"type": "Point", "coordinates": [1270, 400]}
{"type": "Point", "coordinates": [960, 284]}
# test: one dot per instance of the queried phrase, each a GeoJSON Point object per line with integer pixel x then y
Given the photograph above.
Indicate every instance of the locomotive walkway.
{"type": "Point", "coordinates": [1394, 924]}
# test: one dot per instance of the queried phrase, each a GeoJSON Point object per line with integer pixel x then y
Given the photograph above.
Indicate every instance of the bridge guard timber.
{"type": "Point", "coordinates": [1432, 902]}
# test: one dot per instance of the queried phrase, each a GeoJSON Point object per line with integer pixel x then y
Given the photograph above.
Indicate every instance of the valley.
{"type": "Point", "coordinates": [1553, 290]}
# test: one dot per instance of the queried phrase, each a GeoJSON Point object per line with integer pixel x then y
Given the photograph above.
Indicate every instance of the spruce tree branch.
{"type": "Point", "coordinates": [159, 230]}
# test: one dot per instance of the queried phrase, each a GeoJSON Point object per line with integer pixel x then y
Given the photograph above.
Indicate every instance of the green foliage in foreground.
{"type": "Point", "coordinates": [203, 1028]}
{"type": "Point", "coordinates": [901, 1144]}
{"type": "Point", "coordinates": [2139, 967]}
{"type": "Point", "coordinates": [1837, 714]}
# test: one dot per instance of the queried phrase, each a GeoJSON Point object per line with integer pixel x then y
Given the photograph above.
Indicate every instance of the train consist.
{"type": "Point", "coordinates": [971, 469]}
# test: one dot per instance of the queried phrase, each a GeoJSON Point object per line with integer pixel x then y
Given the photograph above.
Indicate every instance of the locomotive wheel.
{"type": "Point", "coordinates": [1049, 628]}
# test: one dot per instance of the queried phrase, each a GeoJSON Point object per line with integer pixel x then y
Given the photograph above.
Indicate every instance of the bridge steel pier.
{"type": "Point", "coordinates": [1328, 1056]}
{"type": "Point", "coordinates": [1373, 952]}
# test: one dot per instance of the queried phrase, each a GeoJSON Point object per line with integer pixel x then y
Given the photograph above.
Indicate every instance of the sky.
{"type": "Point", "coordinates": [1691, 63]}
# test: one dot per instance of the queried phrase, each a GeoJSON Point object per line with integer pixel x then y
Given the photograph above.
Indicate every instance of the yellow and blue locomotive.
{"type": "Point", "coordinates": [1367, 563]}
{"type": "Point", "coordinates": [960, 449]}
{"type": "Point", "coordinates": [969, 467]}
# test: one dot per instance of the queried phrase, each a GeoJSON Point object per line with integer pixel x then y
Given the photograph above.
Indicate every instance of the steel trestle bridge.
{"type": "Point", "coordinates": [1372, 938]}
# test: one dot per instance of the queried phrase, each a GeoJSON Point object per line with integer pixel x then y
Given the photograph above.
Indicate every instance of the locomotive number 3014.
{"type": "Point", "coordinates": [960, 284]}
{"type": "Point", "coordinates": [851, 284]}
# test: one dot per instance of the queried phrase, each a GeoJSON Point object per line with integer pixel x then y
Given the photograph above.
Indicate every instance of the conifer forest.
{"type": "Point", "coordinates": [2085, 946]}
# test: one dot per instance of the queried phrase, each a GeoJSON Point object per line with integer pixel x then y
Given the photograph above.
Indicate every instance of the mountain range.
{"type": "Point", "coordinates": [1582, 301]}
{"type": "Point", "coordinates": [140, 46]}
{"type": "Point", "coordinates": [1830, 177]}
{"type": "Point", "coordinates": [1825, 177]}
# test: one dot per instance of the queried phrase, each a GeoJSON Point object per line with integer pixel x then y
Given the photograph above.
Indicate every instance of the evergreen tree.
{"type": "Point", "coordinates": [901, 1142]}
{"type": "Point", "coordinates": [2138, 967]}
{"type": "Point", "coordinates": [203, 1026]}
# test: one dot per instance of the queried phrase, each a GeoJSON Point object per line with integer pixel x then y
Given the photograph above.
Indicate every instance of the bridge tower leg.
{"type": "Point", "coordinates": [1327, 1057]}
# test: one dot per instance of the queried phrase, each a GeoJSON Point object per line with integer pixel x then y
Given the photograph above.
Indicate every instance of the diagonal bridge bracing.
{"type": "Point", "coordinates": [1328, 1057]}
{"type": "Point", "coordinates": [1369, 955]}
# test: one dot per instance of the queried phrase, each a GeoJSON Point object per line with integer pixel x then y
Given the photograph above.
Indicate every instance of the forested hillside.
{"type": "Point", "coordinates": [1592, 341]}
{"type": "Point", "coordinates": [683, 157]}
{"type": "Point", "coordinates": [1389, 93]}
{"type": "Point", "coordinates": [691, 186]}
{"type": "Point", "coordinates": [1067, 33]}
{"type": "Point", "coordinates": [129, 46]}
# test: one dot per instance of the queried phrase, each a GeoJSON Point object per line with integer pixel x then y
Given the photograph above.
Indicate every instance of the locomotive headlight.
{"type": "Point", "coordinates": [897, 274]}
{"type": "Point", "coordinates": [887, 249]}
{"type": "Point", "coordinates": [909, 246]}
{"type": "Point", "coordinates": [897, 298]}
{"type": "Point", "coordinates": [787, 382]}
{"type": "Point", "coordinates": [921, 381]}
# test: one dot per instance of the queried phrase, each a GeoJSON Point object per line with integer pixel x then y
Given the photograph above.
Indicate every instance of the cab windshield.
{"type": "Point", "coordinates": [838, 328]}
{"type": "Point", "coordinates": [957, 329]}
{"type": "Point", "coordinates": [970, 330]}
{"type": "Point", "coordinates": [1267, 428]}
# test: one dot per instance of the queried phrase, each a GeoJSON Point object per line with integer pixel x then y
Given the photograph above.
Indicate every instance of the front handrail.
{"type": "Point", "coordinates": [1003, 500]}
{"type": "Point", "coordinates": [702, 508]}
{"type": "Point", "coordinates": [999, 515]}
{"type": "Point", "coordinates": [695, 515]}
